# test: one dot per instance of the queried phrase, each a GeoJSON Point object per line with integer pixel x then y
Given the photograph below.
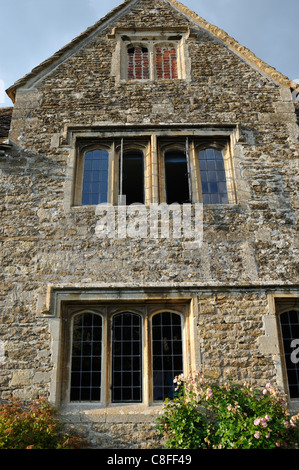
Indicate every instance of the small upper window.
{"type": "Point", "coordinates": [138, 63]}
{"type": "Point", "coordinates": [152, 61]}
{"type": "Point", "coordinates": [151, 54]}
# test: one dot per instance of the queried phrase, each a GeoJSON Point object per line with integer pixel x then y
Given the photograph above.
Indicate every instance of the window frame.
{"type": "Point", "coordinates": [224, 146]}
{"type": "Point", "coordinates": [78, 314]}
{"type": "Point", "coordinates": [81, 151]}
{"type": "Point", "coordinates": [151, 46]}
{"type": "Point", "coordinates": [107, 311]}
{"type": "Point", "coordinates": [134, 46]}
{"type": "Point", "coordinates": [280, 304]}
{"type": "Point", "coordinates": [284, 352]}
{"type": "Point", "coordinates": [178, 69]}
{"type": "Point", "coordinates": [153, 144]}
{"type": "Point", "coordinates": [125, 38]}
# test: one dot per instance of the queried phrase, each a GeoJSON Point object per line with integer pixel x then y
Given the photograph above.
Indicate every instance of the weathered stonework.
{"type": "Point", "coordinates": [49, 248]}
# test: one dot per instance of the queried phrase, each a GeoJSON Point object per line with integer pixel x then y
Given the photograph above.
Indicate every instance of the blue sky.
{"type": "Point", "coordinates": [33, 30]}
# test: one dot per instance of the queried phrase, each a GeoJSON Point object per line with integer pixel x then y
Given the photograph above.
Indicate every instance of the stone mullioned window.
{"type": "Point", "coordinates": [154, 169]}
{"type": "Point", "coordinates": [122, 353]}
{"type": "Point", "coordinates": [163, 66]}
{"type": "Point", "coordinates": [156, 54]}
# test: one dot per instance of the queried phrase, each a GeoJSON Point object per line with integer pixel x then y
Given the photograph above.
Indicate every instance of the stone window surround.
{"type": "Point", "coordinates": [173, 36]}
{"type": "Point", "coordinates": [51, 304]}
{"type": "Point", "coordinates": [147, 138]}
{"type": "Point", "coordinates": [64, 303]}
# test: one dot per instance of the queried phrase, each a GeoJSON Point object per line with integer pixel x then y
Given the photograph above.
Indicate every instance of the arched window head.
{"type": "Point", "coordinates": [138, 63]}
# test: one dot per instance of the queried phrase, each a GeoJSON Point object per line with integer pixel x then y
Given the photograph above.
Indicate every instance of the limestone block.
{"type": "Point", "coordinates": [21, 378]}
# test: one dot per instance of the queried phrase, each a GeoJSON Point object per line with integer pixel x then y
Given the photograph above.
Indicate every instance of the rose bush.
{"type": "Point", "coordinates": [205, 415]}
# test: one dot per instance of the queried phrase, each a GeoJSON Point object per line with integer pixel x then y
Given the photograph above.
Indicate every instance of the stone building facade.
{"type": "Point", "coordinates": [103, 301]}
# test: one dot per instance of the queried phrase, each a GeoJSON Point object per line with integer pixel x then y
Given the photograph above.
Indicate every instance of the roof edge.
{"type": "Point", "coordinates": [11, 91]}
{"type": "Point", "coordinates": [234, 45]}
{"type": "Point", "coordinates": [215, 31]}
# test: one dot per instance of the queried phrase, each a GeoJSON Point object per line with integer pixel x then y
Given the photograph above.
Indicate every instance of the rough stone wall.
{"type": "Point", "coordinates": [251, 243]}
{"type": "Point", "coordinates": [5, 119]}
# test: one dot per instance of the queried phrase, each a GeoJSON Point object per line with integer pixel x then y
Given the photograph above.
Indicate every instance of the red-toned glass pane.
{"type": "Point", "coordinates": [138, 63]}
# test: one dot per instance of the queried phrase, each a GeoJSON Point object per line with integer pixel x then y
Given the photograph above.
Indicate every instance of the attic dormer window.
{"type": "Point", "coordinates": [152, 61]}
{"type": "Point", "coordinates": [155, 54]}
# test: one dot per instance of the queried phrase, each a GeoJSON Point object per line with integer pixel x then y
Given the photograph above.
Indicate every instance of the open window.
{"type": "Point", "coordinates": [154, 167]}
{"type": "Point", "coordinates": [131, 176]}
{"type": "Point", "coordinates": [176, 177]}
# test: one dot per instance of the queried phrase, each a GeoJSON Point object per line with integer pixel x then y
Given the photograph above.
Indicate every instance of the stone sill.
{"type": "Point", "coordinates": [92, 208]}
{"type": "Point", "coordinates": [114, 413]}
